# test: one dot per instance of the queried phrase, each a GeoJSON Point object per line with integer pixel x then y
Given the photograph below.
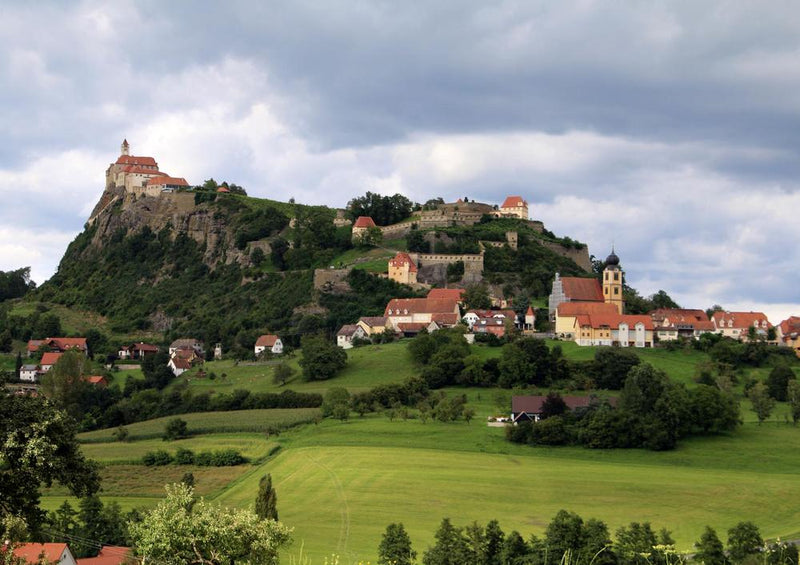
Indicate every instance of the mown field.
{"type": "Point", "coordinates": [340, 483]}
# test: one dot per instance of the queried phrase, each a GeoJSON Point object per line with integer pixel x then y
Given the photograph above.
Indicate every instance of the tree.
{"type": "Point", "coordinates": [713, 410]}
{"type": "Point", "coordinates": [761, 401]}
{"type": "Point", "coordinates": [793, 398]}
{"type": "Point", "coordinates": [636, 543]}
{"type": "Point", "coordinates": [15, 284]}
{"type": "Point", "coordinates": [184, 530]}
{"type": "Point", "coordinates": [282, 373]}
{"type": "Point", "coordinates": [450, 548]}
{"type": "Point", "coordinates": [279, 247]}
{"type": "Point", "coordinates": [395, 547]}
{"type": "Point", "coordinates": [267, 499]}
{"type": "Point", "coordinates": [64, 384]}
{"type": "Point", "coordinates": [743, 539]}
{"type": "Point", "coordinates": [553, 405]}
{"type": "Point", "coordinates": [611, 366]}
{"type": "Point", "coordinates": [335, 401]}
{"type": "Point", "coordinates": [176, 429]}
{"type": "Point", "coordinates": [476, 296]}
{"type": "Point", "coordinates": [778, 381]}
{"type": "Point", "coordinates": [321, 359]}
{"type": "Point", "coordinates": [710, 550]}
{"type": "Point", "coordinates": [39, 447]}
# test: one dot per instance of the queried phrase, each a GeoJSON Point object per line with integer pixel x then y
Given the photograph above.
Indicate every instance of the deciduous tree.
{"type": "Point", "coordinates": [743, 539]}
{"type": "Point", "coordinates": [761, 401]}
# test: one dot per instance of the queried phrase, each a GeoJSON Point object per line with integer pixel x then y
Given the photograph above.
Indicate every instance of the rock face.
{"type": "Point", "coordinates": [119, 210]}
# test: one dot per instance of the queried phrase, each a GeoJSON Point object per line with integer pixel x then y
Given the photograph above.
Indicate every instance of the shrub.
{"type": "Point", "coordinates": [184, 456]}
{"type": "Point", "coordinates": [176, 429]}
{"type": "Point", "coordinates": [157, 458]}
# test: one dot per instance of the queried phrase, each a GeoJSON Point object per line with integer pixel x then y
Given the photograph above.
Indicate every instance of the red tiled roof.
{"type": "Point", "coordinates": [142, 170]}
{"type": "Point", "coordinates": [614, 320]}
{"type": "Point", "coordinates": [577, 288]}
{"type": "Point", "coordinates": [740, 319]}
{"type": "Point", "coordinates": [411, 326]}
{"type": "Point", "coordinates": [159, 180]}
{"type": "Point", "coordinates": [401, 259]}
{"type": "Point", "coordinates": [584, 308]}
{"type": "Point", "coordinates": [30, 552]}
{"type": "Point", "coordinates": [420, 306]}
{"type": "Point", "coordinates": [223, 189]}
{"type": "Point", "coordinates": [790, 325]}
{"type": "Point", "coordinates": [347, 329]}
{"type": "Point", "coordinates": [184, 353]}
{"type": "Point", "coordinates": [494, 313]}
{"type": "Point", "coordinates": [447, 293]}
{"type": "Point", "coordinates": [180, 363]}
{"type": "Point", "coordinates": [50, 358]}
{"type": "Point", "coordinates": [109, 555]}
{"type": "Point", "coordinates": [529, 311]}
{"type": "Point", "coordinates": [132, 160]}
{"type": "Point", "coordinates": [513, 202]}
{"type": "Point", "coordinates": [65, 343]}
{"type": "Point", "coordinates": [445, 318]}
{"type": "Point", "coordinates": [96, 380]}
{"type": "Point", "coordinates": [266, 340]}
{"type": "Point", "coordinates": [33, 344]}
{"type": "Point", "coordinates": [145, 347]}
{"type": "Point", "coordinates": [364, 222]}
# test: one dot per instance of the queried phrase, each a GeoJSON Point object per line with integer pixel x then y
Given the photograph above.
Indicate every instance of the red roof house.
{"type": "Point", "coordinates": [49, 359]}
{"type": "Point", "coordinates": [58, 553]}
{"type": "Point", "coordinates": [110, 555]}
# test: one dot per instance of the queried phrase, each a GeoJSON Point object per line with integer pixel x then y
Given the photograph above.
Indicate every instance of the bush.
{"type": "Point", "coordinates": [157, 458]}
{"type": "Point", "coordinates": [221, 458]}
{"type": "Point", "coordinates": [176, 429]}
{"type": "Point", "coordinates": [184, 456]}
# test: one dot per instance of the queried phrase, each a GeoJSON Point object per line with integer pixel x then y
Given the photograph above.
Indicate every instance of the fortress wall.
{"type": "Point", "coordinates": [331, 279]}
{"type": "Point", "coordinates": [580, 256]}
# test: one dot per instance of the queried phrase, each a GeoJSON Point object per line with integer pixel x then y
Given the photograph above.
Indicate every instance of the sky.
{"type": "Point", "coordinates": [669, 130]}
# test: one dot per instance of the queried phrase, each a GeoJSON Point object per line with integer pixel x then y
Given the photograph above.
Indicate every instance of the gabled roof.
{"type": "Point", "coordinates": [110, 555]}
{"type": "Point", "coordinates": [529, 311]}
{"type": "Point", "coordinates": [613, 321]}
{"type": "Point", "coordinates": [445, 318]}
{"type": "Point", "coordinates": [142, 170]}
{"type": "Point", "coordinates": [132, 160]}
{"type": "Point", "coordinates": [577, 288]}
{"type": "Point", "coordinates": [533, 404]}
{"type": "Point", "coordinates": [584, 308]}
{"type": "Point", "coordinates": [223, 189]}
{"type": "Point", "coordinates": [740, 319]}
{"type": "Point", "coordinates": [30, 552]}
{"type": "Point", "coordinates": [28, 368]}
{"type": "Point", "coordinates": [185, 342]}
{"type": "Point", "coordinates": [50, 358]}
{"type": "Point", "coordinates": [96, 380]}
{"type": "Point", "coordinates": [33, 344]}
{"type": "Point", "coordinates": [399, 306]}
{"type": "Point", "coordinates": [180, 363]}
{"type": "Point", "coordinates": [401, 259]}
{"type": "Point", "coordinates": [266, 340]}
{"type": "Point", "coordinates": [348, 330]}
{"type": "Point", "coordinates": [364, 222]}
{"type": "Point", "coordinates": [447, 293]}
{"type": "Point", "coordinates": [172, 181]}
{"type": "Point", "coordinates": [67, 342]}
{"type": "Point", "coordinates": [790, 325]}
{"type": "Point", "coordinates": [185, 353]}
{"type": "Point", "coordinates": [411, 327]}
{"type": "Point", "coordinates": [374, 321]}
{"type": "Point", "coordinates": [494, 313]}
{"type": "Point", "coordinates": [513, 202]}
{"type": "Point", "coordinates": [144, 347]}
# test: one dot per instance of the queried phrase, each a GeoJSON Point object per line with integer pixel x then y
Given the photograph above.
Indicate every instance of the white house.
{"type": "Point", "coordinates": [178, 366]}
{"type": "Point", "coordinates": [346, 335]}
{"type": "Point", "coordinates": [28, 373]}
{"type": "Point", "coordinates": [269, 341]}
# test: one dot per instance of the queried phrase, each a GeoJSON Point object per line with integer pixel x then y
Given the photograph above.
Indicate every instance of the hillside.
{"type": "Point", "coordinates": [224, 267]}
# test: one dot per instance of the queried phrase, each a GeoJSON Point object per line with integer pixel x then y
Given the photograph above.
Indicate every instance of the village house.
{"type": "Point", "coordinates": [97, 380]}
{"type": "Point", "coordinates": [736, 325]}
{"type": "Point", "coordinates": [614, 329]}
{"type": "Point", "coordinates": [137, 350]}
{"type": "Point", "coordinates": [402, 269]}
{"type": "Point", "coordinates": [530, 319]}
{"type": "Point", "coordinates": [157, 185]}
{"type": "Point", "coordinates": [48, 360]}
{"type": "Point", "coordinates": [568, 311]}
{"type": "Point", "coordinates": [788, 333]}
{"type": "Point", "coordinates": [410, 315]}
{"type": "Point", "coordinates": [347, 333]}
{"type": "Point", "coordinates": [187, 343]}
{"type": "Point", "coordinates": [495, 326]}
{"type": "Point", "coordinates": [178, 365]}
{"type": "Point", "coordinates": [361, 226]}
{"type": "Point", "coordinates": [56, 553]}
{"type": "Point", "coordinates": [28, 373]}
{"type": "Point", "coordinates": [57, 344]}
{"type": "Point", "coordinates": [529, 408]}
{"type": "Point", "coordinates": [514, 207]}
{"type": "Point", "coordinates": [473, 317]}
{"type": "Point", "coordinates": [673, 323]}
{"type": "Point", "coordinates": [373, 325]}
{"type": "Point", "coordinates": [269, 342]}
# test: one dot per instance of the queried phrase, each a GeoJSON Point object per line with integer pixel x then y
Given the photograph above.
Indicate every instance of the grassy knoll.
{"type": "Point", "coordinates": [253, 446]}
{"type": "Point", "coordinates": [210, 422]}
{"type": "Point", "coordinates": [366, 367]}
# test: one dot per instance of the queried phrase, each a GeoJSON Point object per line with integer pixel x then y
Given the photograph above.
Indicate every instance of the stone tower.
{"type": "Point", "coordinates": [612, 282]}
{"type": "Point", "coordinates": [124, 148]}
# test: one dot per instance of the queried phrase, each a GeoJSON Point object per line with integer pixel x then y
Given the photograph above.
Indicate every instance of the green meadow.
{"type": "Point", "coordinates": [340, 483]}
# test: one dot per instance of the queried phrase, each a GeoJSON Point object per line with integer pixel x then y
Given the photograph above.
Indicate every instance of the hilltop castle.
{"type": "Point", "coordinates": [140, 175]}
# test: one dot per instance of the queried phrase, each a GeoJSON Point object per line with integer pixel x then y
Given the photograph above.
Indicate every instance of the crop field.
{"type": "Point", "coordinates": [211, 422]}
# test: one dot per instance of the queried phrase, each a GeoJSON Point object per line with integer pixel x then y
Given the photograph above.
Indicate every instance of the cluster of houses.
{"type": "Point", "coordinates": [441, 308]}
{"type": "Point", "coordinates": [60, 554]}
{"type": "Point", "coordinates": [52, 349]}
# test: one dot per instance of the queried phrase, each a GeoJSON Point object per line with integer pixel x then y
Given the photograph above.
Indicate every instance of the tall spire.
{"type": "Point", "coordinates": [125, 148]}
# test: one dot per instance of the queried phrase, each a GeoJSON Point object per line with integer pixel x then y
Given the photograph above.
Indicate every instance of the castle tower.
{"type": "Point", "coordinates": [124, 148]}
{"type": "Point", "coordinates": [612, 282]}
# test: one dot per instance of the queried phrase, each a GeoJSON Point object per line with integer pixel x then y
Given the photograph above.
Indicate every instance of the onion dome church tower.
{"type": "Point", "coordinates": [612, 282]}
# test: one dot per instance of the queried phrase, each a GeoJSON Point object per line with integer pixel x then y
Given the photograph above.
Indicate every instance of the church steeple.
{"type": "Point", "coordinates": [612, 282]}
{"type": "Point", "coordinates": [125, 148]}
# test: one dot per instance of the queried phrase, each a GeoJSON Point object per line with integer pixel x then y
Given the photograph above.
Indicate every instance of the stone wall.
{"type": "Point", "coordinates": [580, 256]}
{"type": "Point", "coordinates": [331, 280]}
{"type": "Point", "coordinates": [433, 267]}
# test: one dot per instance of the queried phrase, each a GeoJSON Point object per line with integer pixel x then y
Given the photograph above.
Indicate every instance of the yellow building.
{"type": "Point", "coordinates": [568, 311]}
{"type": "Point", "coordinates": [614, 329]}
{"type": "Point", "coordinates": [402, 269]}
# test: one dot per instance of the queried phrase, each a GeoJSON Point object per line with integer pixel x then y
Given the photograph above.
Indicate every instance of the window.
{"type": "Point", "coordinates": [616, 290]}
{"type": "Point", "coordinates": [616, 276]}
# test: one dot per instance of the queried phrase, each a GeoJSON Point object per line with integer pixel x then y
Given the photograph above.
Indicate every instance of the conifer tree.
{"type": "Point", "coordinates": [267, 499]}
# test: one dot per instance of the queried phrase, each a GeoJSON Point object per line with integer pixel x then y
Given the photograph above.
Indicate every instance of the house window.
{"type": "Point", "coordinates": [616, 276]}
{"type": "Point", "coordinates": [616, 290]}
